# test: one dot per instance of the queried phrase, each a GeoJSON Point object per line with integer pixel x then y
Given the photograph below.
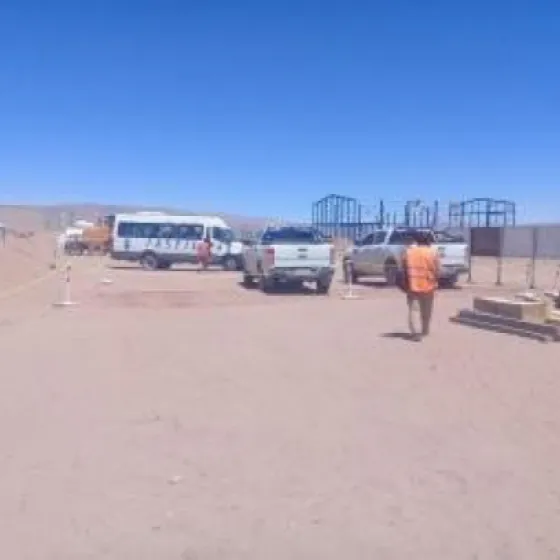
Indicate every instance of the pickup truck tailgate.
{"type": "Point", "coordinates": [302, 256]}
{"type": "Point", "coordinates": [453, 254]}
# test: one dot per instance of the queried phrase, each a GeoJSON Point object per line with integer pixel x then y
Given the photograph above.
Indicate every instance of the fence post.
{"type": "Point", "coordinates": [469, 256]}
{"type": "Point", "coordinates": [500, 260]}
{"type": "Point", "coordinates": [534, 250]}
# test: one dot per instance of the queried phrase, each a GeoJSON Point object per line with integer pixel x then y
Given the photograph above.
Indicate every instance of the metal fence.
{"type": "Point", "coordinates": [521, 257]}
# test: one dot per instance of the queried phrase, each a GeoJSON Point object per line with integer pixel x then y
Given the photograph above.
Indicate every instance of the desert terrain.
{"type": "Point", "coordinates": [178, 416]}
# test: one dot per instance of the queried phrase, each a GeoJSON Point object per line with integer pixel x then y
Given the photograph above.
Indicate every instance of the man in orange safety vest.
{"type": "Point", "coordinates": [420, 270]}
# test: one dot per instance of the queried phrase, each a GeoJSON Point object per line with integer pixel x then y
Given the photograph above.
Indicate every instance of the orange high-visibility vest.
{"type": "Point", "coordinates": [422, 265]}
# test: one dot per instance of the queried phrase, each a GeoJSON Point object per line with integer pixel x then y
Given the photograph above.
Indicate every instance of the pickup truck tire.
{"type": "Point", "coordinates": [266, 285]}
{"type": "Point", "coordinates": [323, 287]}
{"type": "Point", "coordinates": [149, 261]}
{"type": "Point", "coordinates": [449, 282]}
{"type": "Point", "coordinates": [390, 271]}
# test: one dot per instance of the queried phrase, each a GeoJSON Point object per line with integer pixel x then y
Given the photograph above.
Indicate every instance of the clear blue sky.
{"type": "Point", "coordinates": [261, 107]}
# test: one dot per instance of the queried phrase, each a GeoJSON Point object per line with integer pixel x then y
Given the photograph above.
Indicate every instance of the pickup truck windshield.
{"type": "Point", "coordinates": [445, 237]}
{"type": "Point", "coordinates": [225, 235]}
{"type": "Point", "coordinates": [291, 235]}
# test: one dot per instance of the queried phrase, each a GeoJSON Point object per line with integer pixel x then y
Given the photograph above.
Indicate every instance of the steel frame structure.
{"type": "Point", "coordinates": [341, 216]}
{"type": "Point", "coordinates": [337, 216]}
{"type": "Point", "coordinates": [482, 212]}
{"type": "Point", "coordinates": [421, 215]}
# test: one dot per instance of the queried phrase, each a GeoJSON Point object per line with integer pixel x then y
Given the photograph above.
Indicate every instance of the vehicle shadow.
{"type": "Point", "coordinates": [281, 290]}
{"type": "Point", "coordinates": [377, 283]}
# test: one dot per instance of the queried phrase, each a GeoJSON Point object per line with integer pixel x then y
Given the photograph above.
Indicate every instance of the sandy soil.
{"type": "Point", "coordinates": [176, 415]}
{"type": "Point", "coordinates": [23, 260]}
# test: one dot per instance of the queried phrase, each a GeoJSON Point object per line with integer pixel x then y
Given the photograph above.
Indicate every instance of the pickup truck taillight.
{"type": "Point", "coordinates": [333, 256]}
{"type": "Point", "coordinates": [269, 256]}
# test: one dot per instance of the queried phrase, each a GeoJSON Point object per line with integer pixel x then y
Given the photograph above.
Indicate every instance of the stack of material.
{"type": "Point", "coordinates": [520, 309]}
{"type": "Point", "coordinates": [526, 316]}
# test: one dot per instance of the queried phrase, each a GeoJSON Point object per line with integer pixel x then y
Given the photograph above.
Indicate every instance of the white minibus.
{"type": "Point", "coordinates": [157, 240]}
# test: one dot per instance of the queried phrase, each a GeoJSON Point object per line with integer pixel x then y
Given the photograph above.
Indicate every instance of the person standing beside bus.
{"type": "Point", "coordinates": [204, 252]}
{"type": "Point", "coordinates": [421, 270]}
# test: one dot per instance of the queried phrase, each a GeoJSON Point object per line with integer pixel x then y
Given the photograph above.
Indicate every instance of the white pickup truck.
{"type": "Point", "coordinates": [380, 254]}
{"type": "Point", "coordinates": [289, 255]}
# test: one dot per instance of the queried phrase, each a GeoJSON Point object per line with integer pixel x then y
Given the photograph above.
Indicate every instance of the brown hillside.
{"type": "Point", "coordinates": [23, 258]}
{"type": "Point", "coordinates": [51, 217]}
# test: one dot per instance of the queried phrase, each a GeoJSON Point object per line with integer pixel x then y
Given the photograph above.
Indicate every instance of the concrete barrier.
{"type": "Point", "coordinates": [533, 311]}
{"type": "Point", "coordinates": [543, 332]}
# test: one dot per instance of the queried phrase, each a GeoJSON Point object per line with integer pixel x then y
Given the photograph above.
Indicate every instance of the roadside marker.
{"type": "Point", "coordinates": [104, 279]}
{"type": "Point", "coordinates": [349, 294]}
{"type": "Point", "coordinates": [66, 300]}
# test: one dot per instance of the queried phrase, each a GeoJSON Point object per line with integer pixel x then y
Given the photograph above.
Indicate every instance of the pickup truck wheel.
{"type": "Point", "coordinates": [266, 284]}
{"type": "Point", "coordinates": [448, 282]}
{"type": "Point", "coordinates": [390, 271]}
{"type": "Point", "coordinates": [149, 261]}
{"type": "Point", "coordinates": [323, 287]}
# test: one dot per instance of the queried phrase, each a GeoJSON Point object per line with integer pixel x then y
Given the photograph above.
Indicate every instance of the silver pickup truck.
{"type": "Point", "coordinates": [380, 254]}
{"type": "Point", "coordinates": [289, 255]}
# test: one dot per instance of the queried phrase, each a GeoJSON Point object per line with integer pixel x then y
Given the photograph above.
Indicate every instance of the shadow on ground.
{"type": "Point", "coordinates": [380, 284]}
{"type": "Point", "coordinates": [400, 335]}
{"type": "Point", "coordinates": [282, 290]}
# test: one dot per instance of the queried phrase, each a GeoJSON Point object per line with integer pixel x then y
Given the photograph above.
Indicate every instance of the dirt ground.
{"type": "Point", "coordinates": [179, 416]}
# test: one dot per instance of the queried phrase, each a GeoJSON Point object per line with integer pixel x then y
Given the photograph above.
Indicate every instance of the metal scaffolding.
{"type": "Point", "coordinates": [482, 212]}
{"type": "Point", "coordinates": [419, 214]}
{"type": "Point", "coordinates": [337, 216]}
{"type": "Point", "coordinates": [340, 216]}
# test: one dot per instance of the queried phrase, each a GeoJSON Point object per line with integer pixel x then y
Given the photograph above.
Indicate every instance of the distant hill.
{"type": "Point", "coordinates": [58, 216]}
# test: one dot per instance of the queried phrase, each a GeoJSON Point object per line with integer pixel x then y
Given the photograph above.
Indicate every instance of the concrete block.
{"type": "Point", "coordinates": [533, 311]}
{"type": "Point", "coordinates": [543, 332]}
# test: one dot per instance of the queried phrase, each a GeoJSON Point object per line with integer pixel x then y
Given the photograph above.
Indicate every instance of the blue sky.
{"type": "Point", "coordinates": [259, 108]}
